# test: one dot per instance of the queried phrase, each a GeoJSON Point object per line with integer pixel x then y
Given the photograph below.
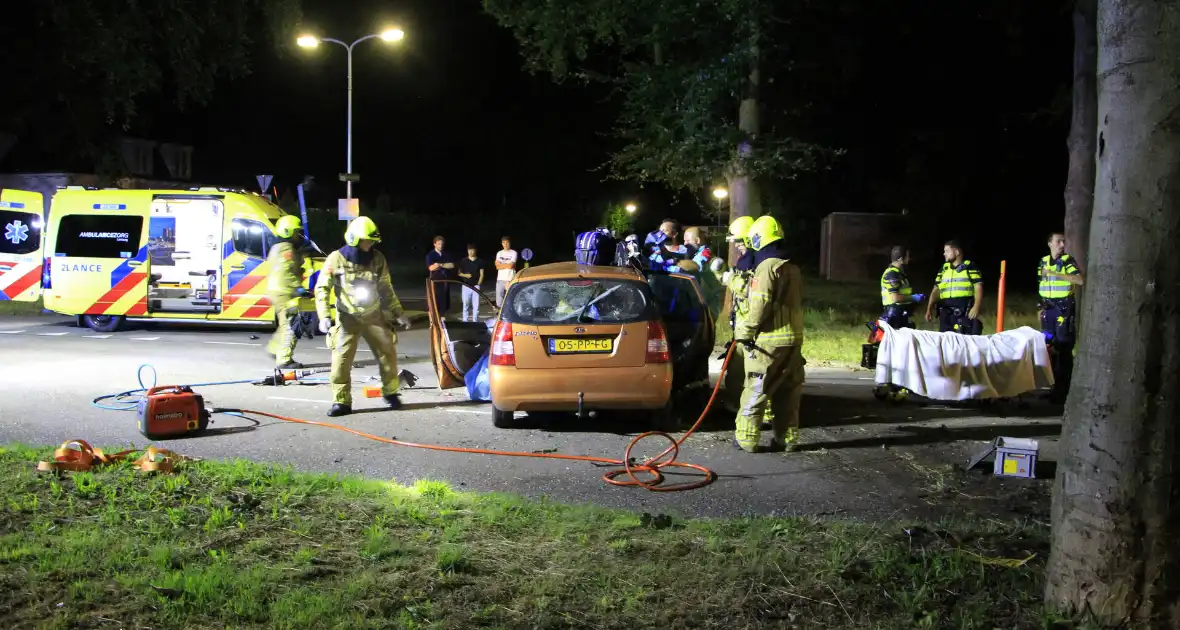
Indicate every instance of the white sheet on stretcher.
{"type": "Point", "coordinates": [950, 366]}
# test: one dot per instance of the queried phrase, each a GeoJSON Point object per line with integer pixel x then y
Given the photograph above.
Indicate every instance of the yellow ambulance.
{"type": "Point", "coordinates": [21, 214]}
{"type": "Point", "coordinates": [196, 255]}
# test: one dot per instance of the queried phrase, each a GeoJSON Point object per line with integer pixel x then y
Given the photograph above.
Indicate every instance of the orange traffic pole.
{"type": "Point", "coordinates": [1000, 298]}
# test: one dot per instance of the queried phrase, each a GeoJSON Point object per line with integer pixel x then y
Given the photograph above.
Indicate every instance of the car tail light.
{"type": "Point", "coordinates": [657, 343]}
{"type": "Point", "coordinates": [502, 351]}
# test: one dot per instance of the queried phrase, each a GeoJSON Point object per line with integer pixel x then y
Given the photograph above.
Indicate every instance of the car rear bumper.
{"type": "Point", "coordinates": [647, 387]}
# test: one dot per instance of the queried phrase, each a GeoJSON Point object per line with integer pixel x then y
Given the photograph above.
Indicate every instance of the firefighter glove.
{"type": "Point", "coordinates": [325, 324]}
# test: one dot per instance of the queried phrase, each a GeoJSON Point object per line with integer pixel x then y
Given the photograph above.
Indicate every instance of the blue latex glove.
{"type": "Point", "coordinates": [302, 292]}
{"type": "Point", "coordinates": [918, 297]}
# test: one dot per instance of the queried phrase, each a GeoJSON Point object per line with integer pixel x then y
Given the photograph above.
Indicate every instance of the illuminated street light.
{"type": "Point", "coordinates": [720, 193]}
{"type": "Point", "coordinates": [631, 207]}
{"type": "Point", "coordinates": [311, 41]}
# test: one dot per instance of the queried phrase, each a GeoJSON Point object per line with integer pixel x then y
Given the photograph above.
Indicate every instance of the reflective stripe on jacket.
{"type": "Point", "coordinates": [1055, 288]}
{"type": "Point", "coordinates": [957, 282]}
{"type": "Point", "coordinates": [774, 313]}
{"type": "Point", "coordinates": [359, 290]}
{"type": "Point", "coordinates": [894, 281]}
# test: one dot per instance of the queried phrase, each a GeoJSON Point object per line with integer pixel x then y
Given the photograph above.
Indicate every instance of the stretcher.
{"type": "Point", "coordinates": [953, 367]}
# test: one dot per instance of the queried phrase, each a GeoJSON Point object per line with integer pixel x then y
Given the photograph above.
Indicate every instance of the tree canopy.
{"type": "Point", "coordinates": [108, 58]}
{"type": "Point", "coordinates": [681, 72]}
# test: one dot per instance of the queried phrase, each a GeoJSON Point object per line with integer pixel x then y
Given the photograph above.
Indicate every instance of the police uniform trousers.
{"type": "Point", "coordinates": [952, 317]}
{"type": "Point", "coordinates": [772, 383]}
{"type": "Point", "coordinates": [898, 316]}
{"type": "Point", "coordinates": [1058, 322]}
{"type": "Point", "coordinates": [282, 342]}
{"type": "Point", "coordinates": [346, 337]}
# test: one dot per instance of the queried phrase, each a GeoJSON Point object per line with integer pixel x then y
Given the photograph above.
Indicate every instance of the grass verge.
{"type": "Point", "coordinates": [8, 307]}
{"type": "Point", "coordinates": [835, 314]}
{"type": "Point", "coordinates": [247, 545]}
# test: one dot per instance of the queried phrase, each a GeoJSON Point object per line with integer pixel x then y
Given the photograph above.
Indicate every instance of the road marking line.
{"type": "Point", "coordinates": [144, 338]}
{"type": "Point", "coordinates": [459, 410]}
{"type": "Point", "coordinates": [11, 332]}
{"type": "Point", "coordinates": [865, 378]}
{"type": "Point", "coordinates": [95, 336]}
{"type": "Point", "coordinates": [320, 402]}
{"type": "Point", "coordinates": [233, 343]}
{"type": "Point", "coordinates": [58, 334]}
{"type": "Point", "coordinates": [365, 349]}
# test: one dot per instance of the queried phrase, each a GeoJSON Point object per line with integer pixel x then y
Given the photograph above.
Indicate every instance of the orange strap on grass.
{"type": "Point", "coordinates": [80, 456]}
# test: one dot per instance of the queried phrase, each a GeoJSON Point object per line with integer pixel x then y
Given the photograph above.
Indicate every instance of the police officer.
{"type": "Point", "coordinates": [897, 296]}
{"type": "Point", "coordinates": [285, 287]}
{"type": "Point", "coordinates": [366, 306]}
{"type": "Point", "coordinates": [958, 292]}
{"type": "Point", "coordinates": [771, 329]}
{"type": "Point", "coordinates": [1058, 274]}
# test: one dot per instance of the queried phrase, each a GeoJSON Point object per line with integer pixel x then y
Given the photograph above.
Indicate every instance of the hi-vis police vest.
{"type": "Point", "coordinates": [894, 281]}
{"type": "Point", "coordinates": [1054, 287]}
{"type": "Point", "coordinates": [957, 283]}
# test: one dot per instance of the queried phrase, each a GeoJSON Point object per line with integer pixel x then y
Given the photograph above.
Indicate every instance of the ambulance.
{"type": "Point", "coordinates": [197, 255]}
{"type": "Point", "coordinates": [21, 215]}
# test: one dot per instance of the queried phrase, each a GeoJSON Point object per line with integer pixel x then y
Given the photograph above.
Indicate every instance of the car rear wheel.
{"type": "Point", "coordinates": [103, 323]}
{"type": "Point", "coordinates": [503, 419]}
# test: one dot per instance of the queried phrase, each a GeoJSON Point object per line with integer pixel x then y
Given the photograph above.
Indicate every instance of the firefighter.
{"type": "Point", "coordinates": [366, 306]}
{"type": "Point", "coordinates": [1058, 274]}
{"type": "Point", "coordinates": [897, 296]}
{"type": "Point", "coordinates": [735, 280]}
{"type": "Point", "coordinates": [285, 287]}
{"type": "Point", "coordinates": [957, 292]}
{"type": "Point", "coordinates": [771, 331]}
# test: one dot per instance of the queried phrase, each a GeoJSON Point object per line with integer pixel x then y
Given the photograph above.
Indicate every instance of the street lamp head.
{"type": "Point", "coordinates": [720, 193]}
{"type": "Point", "coordinates": [631, 207]}
{"type": "Point", "coordinates": [308, 41]}
{"type": "Point", "coordinates": [392, 34]}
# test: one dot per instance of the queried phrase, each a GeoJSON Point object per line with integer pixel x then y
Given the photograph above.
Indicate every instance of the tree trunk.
{"type": "Point", "coordinates": [1116, 505]}
{"type": "Point", "coordinates": [1083, 131]}
{"type": "Point", "coordinates": [745, 199]}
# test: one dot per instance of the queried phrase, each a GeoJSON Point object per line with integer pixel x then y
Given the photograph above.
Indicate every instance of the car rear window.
{"type": "Point", "coordinates": [20, 232]}
{"type": "Point", "coordinates": [578, 300]}
{"type": "Point", "coordinates": [98, 236]}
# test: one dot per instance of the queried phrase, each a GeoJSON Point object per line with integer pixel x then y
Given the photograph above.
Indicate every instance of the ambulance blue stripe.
{"type": "Point", "coordinates": [237, 275]}
{"type": "Point", "coordinates": [120, 272]}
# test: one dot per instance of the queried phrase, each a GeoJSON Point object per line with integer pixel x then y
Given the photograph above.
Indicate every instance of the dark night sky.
{"type": "Point", "coordinates": [936, 104]}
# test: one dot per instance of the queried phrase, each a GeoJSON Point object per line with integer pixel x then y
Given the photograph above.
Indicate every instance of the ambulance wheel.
{"type": "Point", "coordinates": [103, 323]}
{"type": "Point", "coordinates": [503, 419]}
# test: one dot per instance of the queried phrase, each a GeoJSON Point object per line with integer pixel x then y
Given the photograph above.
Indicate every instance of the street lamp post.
{"type": "Point", "coordinates": [311, 41]}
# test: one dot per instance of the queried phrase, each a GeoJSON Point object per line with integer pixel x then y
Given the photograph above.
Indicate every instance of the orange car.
{"type": "Point", "coordinates": [578, 338]}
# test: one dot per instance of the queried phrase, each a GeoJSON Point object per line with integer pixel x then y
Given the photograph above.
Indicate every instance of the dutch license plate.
{"type": "Point", "coordinates": [580, 346]}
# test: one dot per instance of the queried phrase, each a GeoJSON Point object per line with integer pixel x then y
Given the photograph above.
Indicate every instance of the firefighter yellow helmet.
{"type": "Point", "coordinates": [361, 228]}
{"type": "Point", "coordinates": [287, 226]}
{"type": "Point", "coordinates": [740, 228]}
{"type": "Point", "coordinates": [764, 231]}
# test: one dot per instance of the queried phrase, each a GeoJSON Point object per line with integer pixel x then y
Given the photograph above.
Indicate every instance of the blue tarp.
{"type": "Point", "coordinates": [476, 379]}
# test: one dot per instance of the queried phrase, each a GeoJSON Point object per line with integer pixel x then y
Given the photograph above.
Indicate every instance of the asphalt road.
{"type": "Point", "coordinates": [51, 370]}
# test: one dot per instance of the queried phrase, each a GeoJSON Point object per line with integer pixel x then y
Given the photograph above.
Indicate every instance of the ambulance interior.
{"type": "Point", "coordinates": [184, 249]}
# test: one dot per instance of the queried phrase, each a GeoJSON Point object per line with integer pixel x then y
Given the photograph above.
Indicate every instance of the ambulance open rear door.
{"type": "Point", "coordinates": [21, 245]}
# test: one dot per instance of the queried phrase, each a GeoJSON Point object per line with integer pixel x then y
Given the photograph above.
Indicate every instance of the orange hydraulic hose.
{"type": "Point", "coordinates": [651, 466]}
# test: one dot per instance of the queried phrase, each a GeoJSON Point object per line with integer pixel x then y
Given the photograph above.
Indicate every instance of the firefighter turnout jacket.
{"type": "Point", "coordinates": [360, 290]}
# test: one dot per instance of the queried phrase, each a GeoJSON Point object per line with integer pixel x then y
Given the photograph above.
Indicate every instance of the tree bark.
{"type": "Point", "coordinates": [745, 199]}
{"type": "Point", "coordinates": [1116, 505]}
{"type": "Point", "coordinates": [1083, 131]}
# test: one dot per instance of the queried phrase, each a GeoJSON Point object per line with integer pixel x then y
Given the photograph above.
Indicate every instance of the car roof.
{"type": "Point", "coordinates": [558, 270]}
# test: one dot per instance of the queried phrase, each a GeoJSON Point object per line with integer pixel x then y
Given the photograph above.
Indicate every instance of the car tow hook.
{"type": "Point", "coordinates": [581, 406]}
